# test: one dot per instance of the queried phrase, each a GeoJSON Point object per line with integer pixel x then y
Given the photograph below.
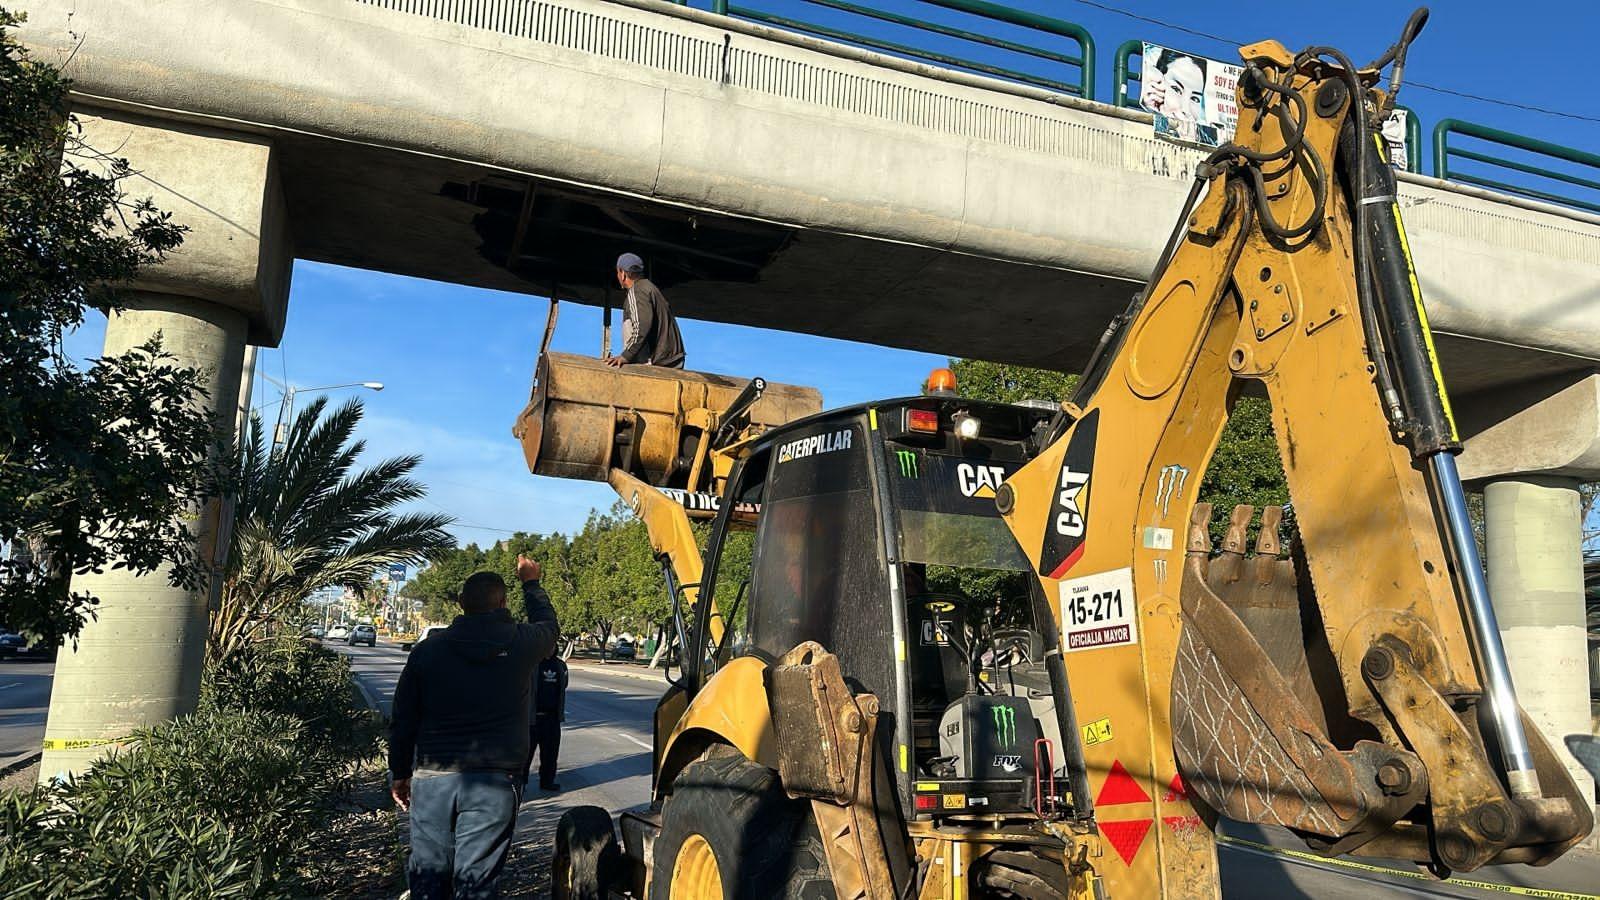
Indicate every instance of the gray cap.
{"type": "Point", "coordinates": [631, 263]}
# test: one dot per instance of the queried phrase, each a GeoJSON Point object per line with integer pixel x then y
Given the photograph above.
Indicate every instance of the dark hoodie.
{"type": "Point", "coordinates": [461, 704]}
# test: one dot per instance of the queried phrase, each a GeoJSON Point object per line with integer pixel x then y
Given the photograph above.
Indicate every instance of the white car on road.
{"type": "Point", "coordinates": [426, 633]}
{"type": "Point", "coordinates": [339, 633]}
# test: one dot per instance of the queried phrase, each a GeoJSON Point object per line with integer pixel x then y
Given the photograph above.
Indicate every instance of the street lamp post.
{"type": "Point", "coordinates": [280, 431]}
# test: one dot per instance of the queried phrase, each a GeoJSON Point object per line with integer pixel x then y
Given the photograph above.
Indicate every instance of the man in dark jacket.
{"type": "Point", "coordinates": [649, 332]}
{"type": "Point", "coordinates": [549, 711]}
{"type": "Point", "coordinates": [460, 724]}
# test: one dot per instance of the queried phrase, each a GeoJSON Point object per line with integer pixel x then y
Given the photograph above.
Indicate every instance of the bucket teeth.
{"type": "Point", "coordinates": [1200, 529]}
{"type": "Point", "coordinates": [1238, 524]}
{"type": "Point", "coordinates": [1268, 567]}
{"type": "Point", "coordinates": [1267, 542]}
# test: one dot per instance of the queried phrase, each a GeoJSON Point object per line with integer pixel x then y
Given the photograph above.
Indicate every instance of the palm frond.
{"type": "Point", "coordinates": [308, 517]}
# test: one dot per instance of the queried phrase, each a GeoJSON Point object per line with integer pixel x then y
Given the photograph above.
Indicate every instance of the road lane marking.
{"type": "Point", "coordinates": [644, 744]}
{"type": "Point", "coordinates": [1330, 864]}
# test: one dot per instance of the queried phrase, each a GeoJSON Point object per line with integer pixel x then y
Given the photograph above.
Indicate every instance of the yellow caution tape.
{"type": "Point", "coordinates": [79, 743]}
{"type": "Point", "coordinates": [1401, 873]}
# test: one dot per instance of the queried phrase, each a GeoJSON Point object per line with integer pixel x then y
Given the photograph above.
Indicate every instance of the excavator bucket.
{"type": "Point", "coordinates": [586, 418]}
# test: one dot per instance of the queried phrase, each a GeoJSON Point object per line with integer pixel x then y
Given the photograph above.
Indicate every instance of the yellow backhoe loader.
{"type": "Point", "coordinates": [988, 650]}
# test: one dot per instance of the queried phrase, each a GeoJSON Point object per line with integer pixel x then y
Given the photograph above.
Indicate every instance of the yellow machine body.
{"type": "Point", "coordinates": [1335, 692]}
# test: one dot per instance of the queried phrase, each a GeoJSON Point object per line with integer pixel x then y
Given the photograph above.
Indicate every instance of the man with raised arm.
{"type": "Point", "coordinates": [458, 736]}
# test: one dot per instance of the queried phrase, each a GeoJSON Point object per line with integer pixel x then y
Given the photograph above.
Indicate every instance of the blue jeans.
{"type": "Point", "coordinates": [461, 827]}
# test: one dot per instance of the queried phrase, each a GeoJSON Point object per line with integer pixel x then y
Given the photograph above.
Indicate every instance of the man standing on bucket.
{"type": "Point", "coordinates": [649, 332]}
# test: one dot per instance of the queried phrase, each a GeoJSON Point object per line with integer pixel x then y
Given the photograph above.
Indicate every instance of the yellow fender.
{"type": "Point", "coordinates": [730, 709]}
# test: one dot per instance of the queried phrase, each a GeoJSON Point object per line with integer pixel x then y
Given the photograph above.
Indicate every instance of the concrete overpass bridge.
{"type": "Point", "coordinates": [773, 180]}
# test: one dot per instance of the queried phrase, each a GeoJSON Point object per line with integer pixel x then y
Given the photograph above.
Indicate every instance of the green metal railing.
{"type": "Point", "coordinates": [1413, 139]}
{"type": "Point", "coordinates": [1083, 61]}
{"type": "Point", "coordinates": [1125, 74]}
{"type": "Point", "coordinates": [1122, 73]}
{"type": "Point", "coordinates": [1444, 151]}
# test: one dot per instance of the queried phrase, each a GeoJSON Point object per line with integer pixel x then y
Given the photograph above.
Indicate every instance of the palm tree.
{"type": "Point", "coordinates": [306, 518]}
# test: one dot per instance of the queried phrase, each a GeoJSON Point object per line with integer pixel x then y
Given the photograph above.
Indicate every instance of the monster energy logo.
{"type": "Point", "coordinates": [908, 463]}
{"type": "Point", "coordinates": [1005, 725]}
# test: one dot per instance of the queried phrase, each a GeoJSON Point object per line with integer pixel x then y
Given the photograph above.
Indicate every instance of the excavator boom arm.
{"type": "Point", "coordinates": [1361, 730]}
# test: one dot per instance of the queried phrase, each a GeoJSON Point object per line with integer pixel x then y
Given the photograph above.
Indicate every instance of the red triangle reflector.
{"type": "Point", "coordinates": [1126, 837]}
{"type": "Point", "coordinates": [1175, 790]}
{"type": "Point", "coordinates": [1120, 788]}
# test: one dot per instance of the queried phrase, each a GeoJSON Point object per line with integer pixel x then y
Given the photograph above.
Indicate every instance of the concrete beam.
{"type": "Point", "coordinates": [225, 187]}
{"type": "Point", "coordinates": [1042, 211]}
{"type": "Point", "coordinates": [1550, 426]}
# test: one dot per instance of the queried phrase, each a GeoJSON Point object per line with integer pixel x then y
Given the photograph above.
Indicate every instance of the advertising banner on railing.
{"type": "Point", "coordinates": [1192, 98]}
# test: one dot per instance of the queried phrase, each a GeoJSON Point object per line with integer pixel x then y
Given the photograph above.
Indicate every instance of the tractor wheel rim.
{"type": "Point", "coordinates": [695, 875]}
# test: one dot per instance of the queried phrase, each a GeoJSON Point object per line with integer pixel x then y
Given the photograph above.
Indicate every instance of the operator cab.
{"type": "Point", "coordinates": [876, 534]}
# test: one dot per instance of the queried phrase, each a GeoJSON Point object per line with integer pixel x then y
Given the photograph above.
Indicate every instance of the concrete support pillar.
{"type": "Point", "coordinates": [139, 662]}
{"type": "Point", "coordinates": [1533, 536]}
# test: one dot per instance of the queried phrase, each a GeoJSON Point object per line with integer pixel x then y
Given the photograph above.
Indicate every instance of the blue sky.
{"type": "Point", "coordinates": [457, 361]}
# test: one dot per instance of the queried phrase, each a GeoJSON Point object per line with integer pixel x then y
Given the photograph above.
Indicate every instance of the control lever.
{"type": "Point", "coordinates": [736, 410]}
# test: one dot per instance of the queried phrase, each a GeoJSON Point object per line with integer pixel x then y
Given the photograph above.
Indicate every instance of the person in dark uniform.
{"type": "Point", "coordinates": [549, 711]}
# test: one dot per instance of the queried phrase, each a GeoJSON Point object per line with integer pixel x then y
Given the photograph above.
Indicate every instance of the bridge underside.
{"type": "Point", "coordinates": [768, 180]}
{"type": "Point", "coordinates": [400, 212]}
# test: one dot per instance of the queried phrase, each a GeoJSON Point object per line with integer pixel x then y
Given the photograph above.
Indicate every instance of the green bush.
{"type": "Point", "coordinates": [302, 679]}
{"type": "Point", "coordinates": [219, 804]}
{"type": "Point", "coordinates": [212, 805]}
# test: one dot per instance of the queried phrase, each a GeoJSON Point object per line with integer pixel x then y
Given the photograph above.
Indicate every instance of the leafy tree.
{"type": "Point", "coordinates": [1244, 469]}
{"type": "Point", "coordinates": [306, 518]}
{"type": "Point", "coordinates": [438, 585]}
{"type": "Point", "coordinates": [983, 380]}
{"type": "Point", "coordinates": [100, 467]}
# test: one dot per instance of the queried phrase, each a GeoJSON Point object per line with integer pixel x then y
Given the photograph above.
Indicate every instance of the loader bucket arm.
{"type": "Point", "coordinates": [671, 537]}
{"type": "Point", "coordinates": [1380, 749]}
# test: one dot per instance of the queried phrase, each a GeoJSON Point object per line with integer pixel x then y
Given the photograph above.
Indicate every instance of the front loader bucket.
{"type": "Point", "coordinates": [586, 418]}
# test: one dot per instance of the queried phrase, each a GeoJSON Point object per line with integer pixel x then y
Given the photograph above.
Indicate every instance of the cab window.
{"type": "Point", "coordinates": [819, 571]}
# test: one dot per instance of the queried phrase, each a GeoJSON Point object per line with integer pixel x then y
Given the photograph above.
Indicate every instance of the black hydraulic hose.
{"type": "Point", "coordinates": [1397, 55]}
{"type": "Point", "coordinates": [1427, 421]}
{"type": "Point", "coordinates": [1293, 125]}
{"type": "Point", "coordinates": [1357, 160]}
{"type": "Point", "coordinates": [1319, 192]}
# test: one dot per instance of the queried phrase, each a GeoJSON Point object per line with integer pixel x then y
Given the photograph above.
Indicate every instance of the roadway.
{"type": "Point", "coordinates": [24, 701]}
{"type": "Point", "coordinates": [605, 761]}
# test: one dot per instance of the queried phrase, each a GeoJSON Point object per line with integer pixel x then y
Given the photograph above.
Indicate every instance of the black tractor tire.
{"type": "Point", "coordinates": [766, 844]}
{"type": "Point", "coordinates": [586, 855]}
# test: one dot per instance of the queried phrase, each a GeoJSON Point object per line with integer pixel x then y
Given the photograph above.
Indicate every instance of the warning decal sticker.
{"type": "Point", "coordinates": [1098, 611]}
